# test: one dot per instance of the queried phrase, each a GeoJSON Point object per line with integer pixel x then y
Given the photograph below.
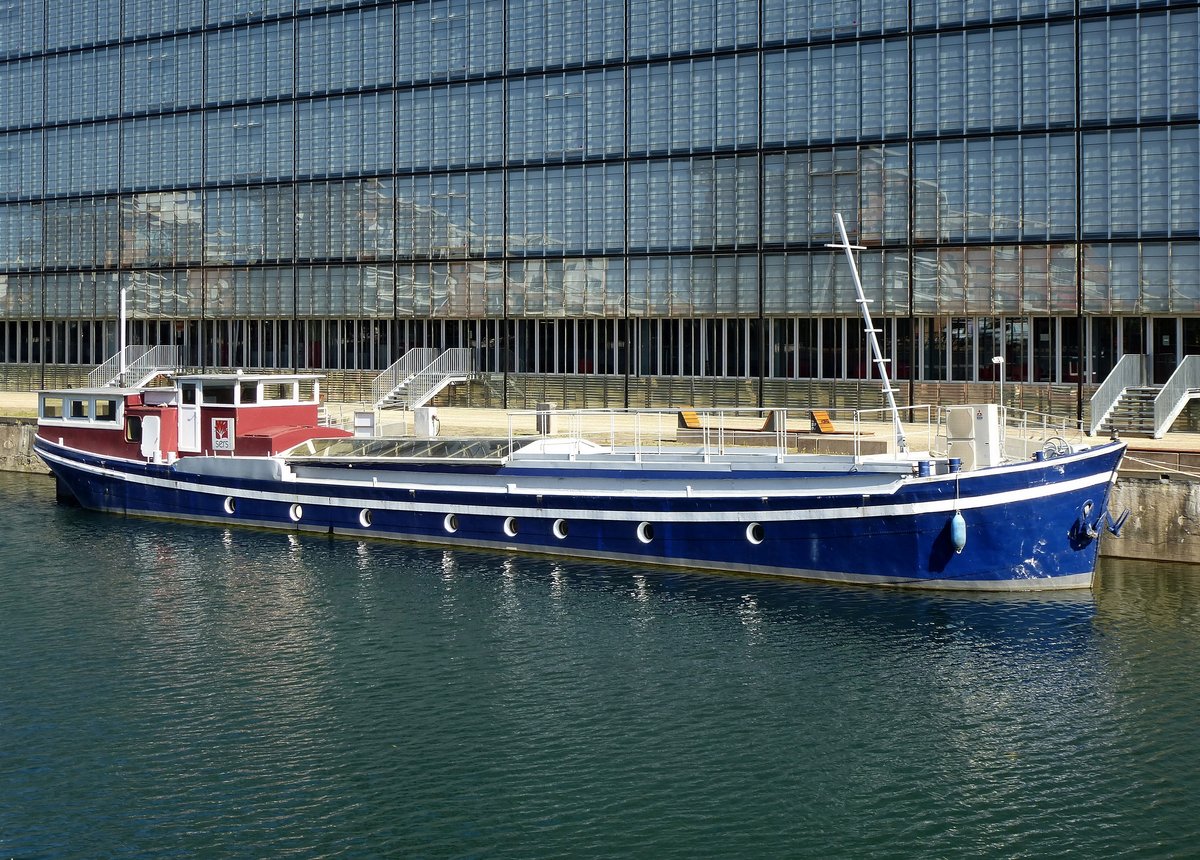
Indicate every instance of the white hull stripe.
{"type": "Point", "coordinates": [798, 514]}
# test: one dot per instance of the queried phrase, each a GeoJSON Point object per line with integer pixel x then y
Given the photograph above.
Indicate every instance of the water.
{"type": "Point", "coordinates": [176, 691]}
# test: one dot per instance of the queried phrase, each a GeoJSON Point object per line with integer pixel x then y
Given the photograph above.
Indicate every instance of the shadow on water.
{"type": "Point", "coordinates": [134, 545]}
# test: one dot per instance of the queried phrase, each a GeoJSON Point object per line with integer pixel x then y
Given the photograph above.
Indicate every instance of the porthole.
{"type": "Point", "coordinates": [451, 523]}
{"type": "Point", "coordinates": [560, 529]}
{"type": "Point", "coordinates": [364, 518]}
{"type": "Point", "coordinates": [645, 532]}
{"type": "Point", "coordinates": [510, 526]}
{"type": "Point", "coordinates": [754, 533]}
{"type": "Point", "coordinates": [295, 512]}
{"type": "Point", "coordinates": [230, 504]}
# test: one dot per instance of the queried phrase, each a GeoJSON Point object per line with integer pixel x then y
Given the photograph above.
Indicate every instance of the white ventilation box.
{"type": "Point", "coordinates": [425, 422]}
{"type": "Point", "coordinates": [974, 436]}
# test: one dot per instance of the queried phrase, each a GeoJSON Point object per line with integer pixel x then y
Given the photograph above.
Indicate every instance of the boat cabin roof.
{"type": "Point", "coordinates": [109, 392]}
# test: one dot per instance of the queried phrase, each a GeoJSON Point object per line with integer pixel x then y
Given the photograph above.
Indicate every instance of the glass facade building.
{"type": "Point", "coordinates": [637, 189]}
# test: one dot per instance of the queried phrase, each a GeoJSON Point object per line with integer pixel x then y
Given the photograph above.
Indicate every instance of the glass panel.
{"type": "Point", "coordinates": [1102, 351]}
{"type": "Point", "coordinates": [933, 358]}
{"type": "Point", "coordinates": [1044, 338]}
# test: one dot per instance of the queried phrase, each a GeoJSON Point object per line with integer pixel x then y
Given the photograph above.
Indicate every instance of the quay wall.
{"type": "Point", "coordinates": [1163, 525]}
{"type": "Point", "coordinates": [16, 446]}
{"type": "Point", "coordinates": [1164, 519]}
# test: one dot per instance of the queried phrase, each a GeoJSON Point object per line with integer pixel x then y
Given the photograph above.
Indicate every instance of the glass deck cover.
{"type": "Point", "coordinates": [411, 449]}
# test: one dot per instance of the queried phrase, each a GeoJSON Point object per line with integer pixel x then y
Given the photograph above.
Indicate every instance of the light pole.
{"type": "Point", "coordinates": [999, 360]}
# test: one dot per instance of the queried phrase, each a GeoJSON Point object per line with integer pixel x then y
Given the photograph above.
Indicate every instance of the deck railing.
{"type": "Point", "coordinates": [784, 432]}
{"type": "Point", "coordinates": [773, 432]}
{"type": "Point", "coordinates": [1023, 432]}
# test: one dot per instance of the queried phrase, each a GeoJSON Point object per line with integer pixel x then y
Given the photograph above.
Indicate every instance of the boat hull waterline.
{"type": "Point", "coordinates": [1032, 525]}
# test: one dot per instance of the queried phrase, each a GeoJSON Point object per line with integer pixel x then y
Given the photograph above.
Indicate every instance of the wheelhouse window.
{"type": "Point", "coordinates": [277, 391]}
{"type": "Point", "coordinates": [79, 409]}
{"type": "Point", "coordinates": [52, 407]}
{"type": "Point", "coordinates": [133, 429]}
{"type": "Point", "coordinates": [219, 394]}
{"type": "Point", "coordinates": [106, 410]}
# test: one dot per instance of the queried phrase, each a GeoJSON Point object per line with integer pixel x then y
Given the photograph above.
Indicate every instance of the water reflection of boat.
{"type": "Point", "coordinates": [1054, 623]}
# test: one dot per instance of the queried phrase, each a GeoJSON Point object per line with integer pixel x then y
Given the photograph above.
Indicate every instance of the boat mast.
{"type": "Point", "coordinates": [872, 332]}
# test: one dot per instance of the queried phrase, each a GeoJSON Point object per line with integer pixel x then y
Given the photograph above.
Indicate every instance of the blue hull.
{"type": "Point", "coordinates": [1029, 526]}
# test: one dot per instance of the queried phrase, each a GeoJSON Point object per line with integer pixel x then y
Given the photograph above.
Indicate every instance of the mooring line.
{"type": "Point", "coordinates": [1162, 467]}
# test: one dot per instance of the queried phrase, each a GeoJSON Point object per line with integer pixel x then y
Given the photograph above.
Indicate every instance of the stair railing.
{"type": "Point", "coordinates": [1183, 385]}
{"type": "Point", "coordinates": [452, 365]}
{"type": "Point", "coordinates": [109, 373]}
{"type": "Point", "coordinates": [1130, 372]}
{"type": "Point", "coordinates": [150, 363]}
{"type": "Point", "coordinates": [401, 371]}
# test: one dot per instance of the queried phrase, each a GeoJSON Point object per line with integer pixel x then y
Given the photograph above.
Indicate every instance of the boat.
{"type": "Point", "coordinates": [250, 449]}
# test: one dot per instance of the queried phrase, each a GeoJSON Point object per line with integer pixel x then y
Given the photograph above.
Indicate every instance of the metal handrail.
{"type": "Point", "coordinates": [109, 373]}
{"type": "Point", "coordinates": [401, 372]}
{"type": "Point", "coordinates": [456, 363]}
{"type": "Point", "coordinates": [155, 359]}
{"type": "Point", "coordinates": [635, 432]}
{"type": "Point", "coordinates": [1022, 431]}
{"type": "Point", "coordinates": [887, 415]}
{"type": "Point", "coordinates": [1130, 372]}
{"type": "Point", "coordinates": [1183, 385]}
{"type": "Point", "coordinates": [642, 431]}
{"type": "Point", "coordinates": [655, 430]}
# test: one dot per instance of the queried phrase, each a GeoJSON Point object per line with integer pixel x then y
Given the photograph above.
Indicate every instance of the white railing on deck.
{"type": "Point", "coordinates": [1183, 385]}
{"type": "Point", "coordinates": [1130, 372]}
{"type": "Point", "coordinates": [638, 431]}
{"type": "Point", "coordinates": [765, 431]}
{"type": "Point", "coordinates": [1023, 432]}
{"type": "Point", "coordinates": [451, 365]}
{"type": "Point", "coordinates": [909, 417]}
{"type": "Point", "coordinates": [403, 370]}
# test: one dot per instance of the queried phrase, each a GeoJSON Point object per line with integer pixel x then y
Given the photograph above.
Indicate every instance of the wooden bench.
{"type": "Point", "coordinates": [689, 419]}
{"type": "Point", "coordinates": [819, 423]}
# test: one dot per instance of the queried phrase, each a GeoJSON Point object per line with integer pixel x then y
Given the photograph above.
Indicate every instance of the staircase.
{"type": "Point", "coordinates": [1126, 403]}
{"type": "Point", "coordinates": [1133, 413]}
{"type": "Point", "coordinates": [388, 387]}
{"type": "Point", "coordinates": [421, 378]}
{"type": "Point", "coordinates": [140, 364]}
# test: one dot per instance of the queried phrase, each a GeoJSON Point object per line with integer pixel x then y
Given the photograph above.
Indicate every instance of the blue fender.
{"type": "Point", "coordinates": [958, 531]}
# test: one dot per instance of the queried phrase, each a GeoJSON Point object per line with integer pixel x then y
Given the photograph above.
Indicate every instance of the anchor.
{"type": "Point", "coordinates": [1114, 526]}
{"type": "Point", "coordinates": [1084, 529]}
